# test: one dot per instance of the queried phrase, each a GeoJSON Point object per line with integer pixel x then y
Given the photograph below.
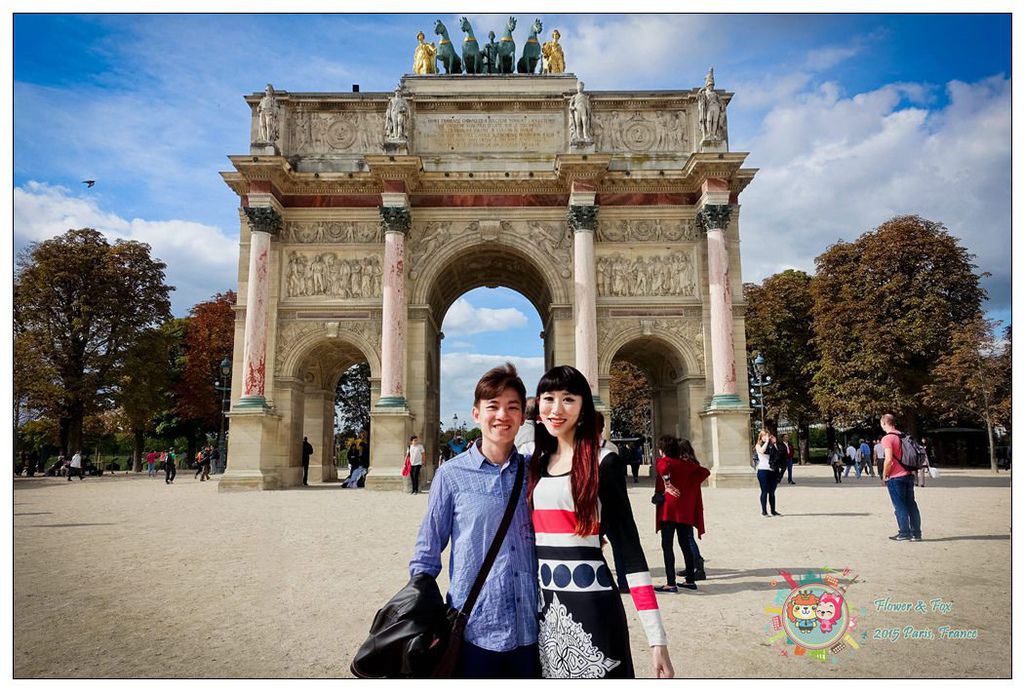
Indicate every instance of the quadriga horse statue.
{"type": "Point", "coordinates": [507, 49]}
{"type": "Point", "coordinates": [531, 51]}
{"type": "Point", "coordinates": [472, 56]}
{"type": "Point", "coordinates": [446, 55]}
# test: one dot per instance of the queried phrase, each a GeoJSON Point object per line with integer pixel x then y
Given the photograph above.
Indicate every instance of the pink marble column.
{"type": "Point", "coordinates": [263, 224]}
{"type": "Point", "coordinates": [583, 220]}
{"type": "Point", "coordinates": [396, 221]}
{"type": "Point", "coordinates": [714, 219]}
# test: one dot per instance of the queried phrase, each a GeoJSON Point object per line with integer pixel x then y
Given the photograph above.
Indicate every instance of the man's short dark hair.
{"type": "Point", "coordinates": [497, 380]}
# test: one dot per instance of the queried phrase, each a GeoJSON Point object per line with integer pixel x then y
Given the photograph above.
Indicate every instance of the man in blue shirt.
{"type": "Point", "coordinates": [865, 457]}
{"type": "Point", "coordinates": [467, 501]}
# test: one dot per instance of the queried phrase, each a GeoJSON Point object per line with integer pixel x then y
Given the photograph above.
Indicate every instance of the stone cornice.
{"type": "Point", "coordinates": [685, 177]}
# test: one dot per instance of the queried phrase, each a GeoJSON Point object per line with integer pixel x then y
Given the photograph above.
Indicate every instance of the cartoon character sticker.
{"type": "Point", "coordinates": [801, 610]}
{"type": "Point", "coordinates": [829, 611]}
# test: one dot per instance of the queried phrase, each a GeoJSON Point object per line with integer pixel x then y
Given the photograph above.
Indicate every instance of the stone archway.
{"type": "Point", "coordinates": [455, 252]}
{"type": "Point", "coordinates": [626, 243]}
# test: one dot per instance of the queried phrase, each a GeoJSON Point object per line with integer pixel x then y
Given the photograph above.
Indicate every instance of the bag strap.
{"type": "Point", "coordinates": [499, 537]}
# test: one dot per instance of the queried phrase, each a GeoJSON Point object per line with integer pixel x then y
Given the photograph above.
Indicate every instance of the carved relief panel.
{"type": "Point", "coordinates": [642, 131]}
{"type": "Point", "coordinates": [316, 132]}
{"type": "Point", "coordinates": [323, 232]}
{"type": "Point", "coordinates": [552, 239]}
{"type": "Point", "coordinates": [647, 230]}
{"type": "Point", "coordinates": [310, 274]}
{"type": "Point", "coordinates": [654, 275]}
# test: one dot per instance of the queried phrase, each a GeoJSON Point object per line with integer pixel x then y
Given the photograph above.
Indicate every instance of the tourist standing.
{"type": "Point", "coordinates": [851, 459]}
{"type": "Point", "coordinates": [925, 469]}
{"type": "Point", "coordinates": [865, 457]}
{"type": "Point", "coordinates": [879, 452]}
{"type": "Point", "coordinates": [353, 456]}
{"type": "Point", "coordinates": [690, 456]}
{"type": "Point", "coordinates": [151, 463]}
{"type": "Point", "coordinates": [900, 483]}
{"type": "Point", "coordinates": [575, 500]}
{"type": "Point", "coordinates": [76, 466]}
{"type": "Point", "coordinates": [203, 458]}
{"type": "Point", "coordinates": [837, 459]}
{"type": "Point", "coordinates": [465, 506]}
{"type": "Point", "coordinates": [416, 452]}
{"type": "Point", "coordinates": [681, 511]}
{"type": "Point", "coordinates": [767, 477]}
{"type": "Point", "coordinates": [170, 467]}
{"type": "Point", "coordinates": [787, 451]}
{"type": "Point", "coordinates": [307, 452]}
{"type": "Point", "coordinates": [636, 459]}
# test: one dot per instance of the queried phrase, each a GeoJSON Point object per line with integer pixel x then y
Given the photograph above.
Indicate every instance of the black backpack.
{"type": "Point", "coordinates": [912, 455]}
{"type": "Point", "coordinates": [776, 458]}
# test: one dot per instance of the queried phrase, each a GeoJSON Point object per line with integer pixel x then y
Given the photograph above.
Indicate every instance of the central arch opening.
{"type": "Point", "coordinates": [489, 304]}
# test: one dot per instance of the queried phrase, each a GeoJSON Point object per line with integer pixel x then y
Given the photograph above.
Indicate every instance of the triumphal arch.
{"type": "Point", "coordinates": [364, 216]}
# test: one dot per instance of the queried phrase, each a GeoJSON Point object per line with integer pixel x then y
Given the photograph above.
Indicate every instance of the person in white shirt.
{"type": "Point", "coordinates": [524, 437]}
{"type": "Point", "coordinates": [879, 452]}
{"type": "Point", "coordinates": [76, 466]}
{"type": "Point", "coordinates": [851, 454]}
{"type": "Point", "coordinates": [415, 462]}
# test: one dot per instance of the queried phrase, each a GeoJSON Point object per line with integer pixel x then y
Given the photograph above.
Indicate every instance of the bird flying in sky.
{"type": "Point", "coordinates": [89, 183]}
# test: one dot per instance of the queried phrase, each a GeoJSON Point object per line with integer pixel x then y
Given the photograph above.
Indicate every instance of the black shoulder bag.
{"type": "Point", "coordinates": [415, 635]}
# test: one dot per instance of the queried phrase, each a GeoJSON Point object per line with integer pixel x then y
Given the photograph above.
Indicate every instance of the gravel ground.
{"type": "Point", "coordinates": [126, 576]}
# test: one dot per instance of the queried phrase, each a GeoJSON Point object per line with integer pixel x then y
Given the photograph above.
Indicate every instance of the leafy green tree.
{"type": "Point", "coordinates": [80, 305]}
{"type": "Point", "coordinates": [972, 379]}
{"type": "Point", "coordinates": [884, 308]}
{"type": "Point", "coordinates": [778, 326]}
{"type": "Point", "coordinates": [145, 387]}
{"type": "Point", "coordinates": [352, 399]}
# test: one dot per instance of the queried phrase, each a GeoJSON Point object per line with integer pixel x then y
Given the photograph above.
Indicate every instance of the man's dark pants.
{"type": "Point", "coordinates": [169, 472]}
{"type": "Point", "coordinates": [908, 517]}
{"type": "Point", "coordinates": [305, 473]}
{"type": "Point", "coordinates": [414, 476]}
{"type": "Point", "coordinates": [789, 466]}
{"type": "Point", "coordinates": [519, 663]}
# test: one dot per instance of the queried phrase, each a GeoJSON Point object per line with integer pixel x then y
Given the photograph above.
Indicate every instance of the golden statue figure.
{"type": "Point", "coordinates": [552, 55]}
{"type": "Point", "coordinates": [423, 60]}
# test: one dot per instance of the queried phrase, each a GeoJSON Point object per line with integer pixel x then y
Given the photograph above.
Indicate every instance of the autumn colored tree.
{"type": "Point", "coordinates": [208, 338]}
{"type": "Point", "coordinates": [884, 308]}
{"type": "Point", "coordinates": [80, 305]}
{"type": "Point", "coordinates": [972, 379]}
{"type": "Point", "coordinates": [778, 326]}
{"type": "Point", "coordinates": [631, 395]}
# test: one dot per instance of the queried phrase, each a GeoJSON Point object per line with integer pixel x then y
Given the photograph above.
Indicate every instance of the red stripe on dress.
{"type": "Point", "coordinates": [555, 521]}
{"type": "Point", "coordinates": [644, 598]}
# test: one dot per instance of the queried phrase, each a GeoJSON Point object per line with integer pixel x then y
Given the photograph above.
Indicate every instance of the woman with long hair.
{"type": "Point", "coordinates": [575, 499]}
{"type": "Point", "coordinates": [766, 475]}
{"type": "Point", "coordinates": [678, 480]}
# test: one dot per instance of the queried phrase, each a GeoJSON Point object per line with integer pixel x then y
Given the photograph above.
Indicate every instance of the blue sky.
{"type": "Point", "coordinates": [851, 119]}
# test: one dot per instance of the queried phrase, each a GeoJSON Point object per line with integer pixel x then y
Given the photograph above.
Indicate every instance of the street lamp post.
{"type": "Point", "coordinates": [759, 371]}
{"type": "Point", "coordinates": [224, 386]}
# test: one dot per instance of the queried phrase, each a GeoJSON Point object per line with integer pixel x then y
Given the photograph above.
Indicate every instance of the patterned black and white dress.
{"type": "Point", "coordinates": [583, 632]}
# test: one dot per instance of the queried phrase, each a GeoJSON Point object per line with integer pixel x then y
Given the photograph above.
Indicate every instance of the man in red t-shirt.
{"type": "Point", "coordinates": [900, 483]}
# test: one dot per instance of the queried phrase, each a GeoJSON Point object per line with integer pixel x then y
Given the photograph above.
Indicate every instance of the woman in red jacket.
{"type": "Point", "coordinates": [682, 510]}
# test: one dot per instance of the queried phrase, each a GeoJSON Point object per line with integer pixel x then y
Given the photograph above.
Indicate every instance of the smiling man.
{"type": "Point", "coordinates": [467, 501]}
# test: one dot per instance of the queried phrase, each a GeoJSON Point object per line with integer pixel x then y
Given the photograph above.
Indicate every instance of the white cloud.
{"type": "Point", "coordinates": [201, 260]}
{"type": "Point", "coordinates": [461, 371]}
{"type": "Point", "coordinates": [463, 319]}
{"type": "Point", "coordinates": [835, 166]}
